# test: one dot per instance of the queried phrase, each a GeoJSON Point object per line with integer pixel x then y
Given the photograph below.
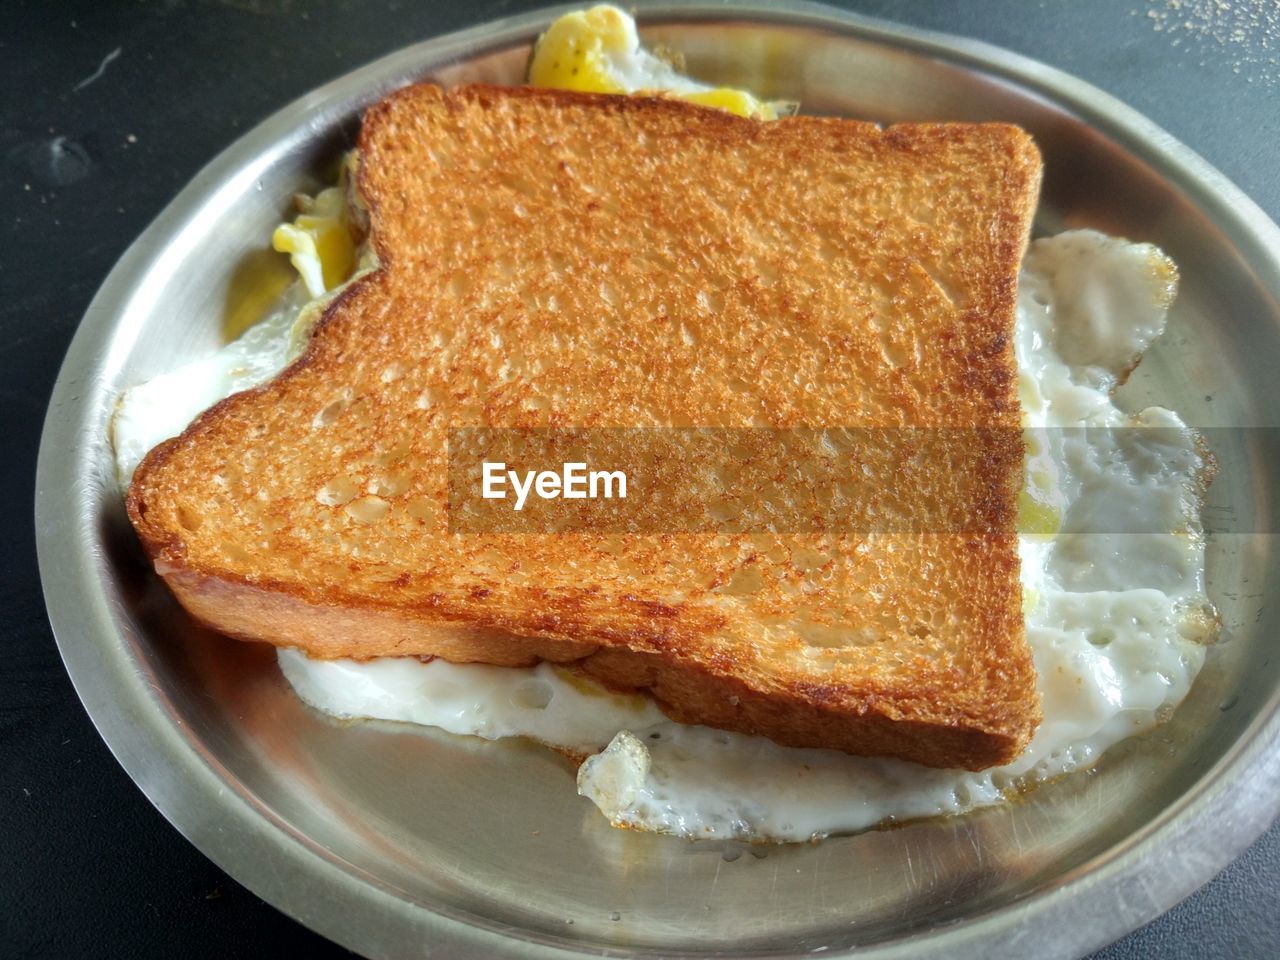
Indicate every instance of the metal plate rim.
{"type": "Point", "coordinates": [1208, 827]}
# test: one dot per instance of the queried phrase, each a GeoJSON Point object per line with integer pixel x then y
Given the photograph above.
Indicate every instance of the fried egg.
{"type": "Point", "coordinates": [1112, 555]}
{"type": "Point", "coordinates": [598, 51]}
{"type": "Point", "coordinates": [1116, 621]}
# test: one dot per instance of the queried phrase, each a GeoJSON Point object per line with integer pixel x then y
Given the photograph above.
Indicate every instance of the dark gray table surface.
{"type": "Point", "coordinates": [110, 107]}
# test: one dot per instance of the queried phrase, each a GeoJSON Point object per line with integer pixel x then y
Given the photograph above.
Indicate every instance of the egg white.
{"type": "Point", "coordinates": [162, 407]}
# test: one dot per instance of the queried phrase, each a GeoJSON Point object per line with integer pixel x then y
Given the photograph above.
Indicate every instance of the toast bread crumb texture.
{"type": "Point", "coordinates": [551, 259]}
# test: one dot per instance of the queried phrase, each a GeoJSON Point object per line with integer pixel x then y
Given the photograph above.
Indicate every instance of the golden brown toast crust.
{"type": "Point", "coordinates": [558, 259]}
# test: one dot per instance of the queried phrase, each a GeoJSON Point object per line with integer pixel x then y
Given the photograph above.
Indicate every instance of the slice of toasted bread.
{"type": "Point", "coordinates": [554, 259]}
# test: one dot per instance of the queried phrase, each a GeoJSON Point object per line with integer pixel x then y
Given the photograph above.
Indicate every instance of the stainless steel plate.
{"type": "Point", "coordinates": [396, 842]}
